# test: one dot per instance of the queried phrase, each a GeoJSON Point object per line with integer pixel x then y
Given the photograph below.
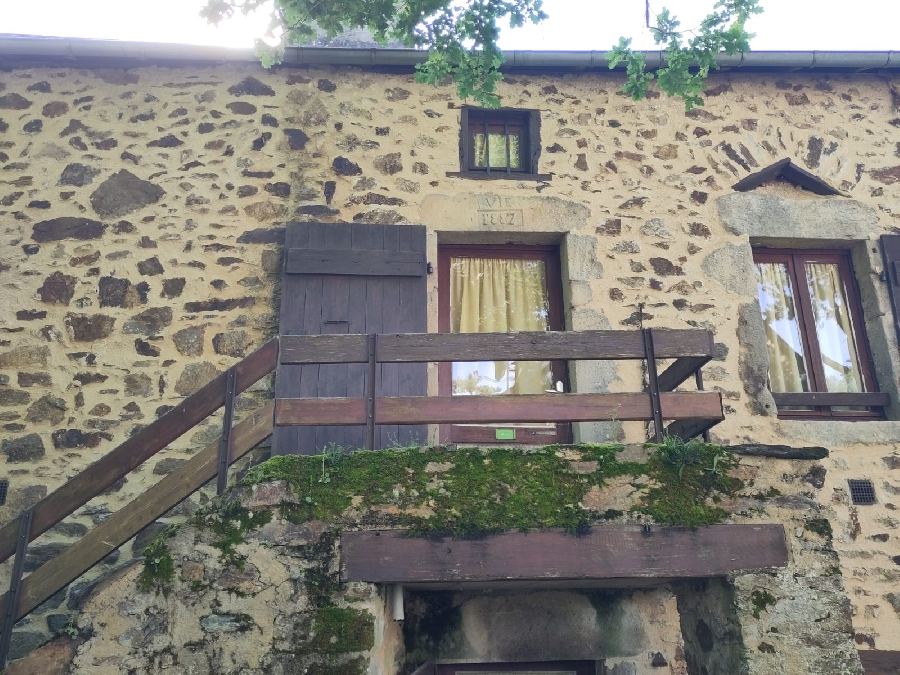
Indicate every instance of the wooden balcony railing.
{"type": "Point", "coordinates": [692, 412]}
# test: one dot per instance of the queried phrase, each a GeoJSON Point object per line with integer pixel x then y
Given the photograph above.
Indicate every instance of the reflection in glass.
{"type": "Point", "coordinates": [495, 150]}
{"type": "Point", "coordinates": [787, 363]}
{"type": "Point", "coordinates": [493, 295]}
{"type": "Point", "coordinates": [834, 328]}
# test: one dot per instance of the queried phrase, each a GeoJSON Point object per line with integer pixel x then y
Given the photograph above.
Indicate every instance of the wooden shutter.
{"type": "Point", "coordinates": [341, 278]}
{"type": "Point", "coordinates": [890, 248]}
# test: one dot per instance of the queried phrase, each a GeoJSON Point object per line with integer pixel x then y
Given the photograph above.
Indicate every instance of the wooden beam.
{"type": "Point", "coordinates": [680, 371]}
{"type": "Point", "coordinates": [874, 399]}
{"type": "Point", "coordinates": [880, 662]}
{"type": "Point", "coordinates": [688, 429]}
{"type": "Point", "coordinates": [300, 349]}
{"type": "Point", "coordinates": [365, 263]}
{"type": "Point", "coordinates": [541, 346]}
{"type": "Point", "coordinates": [136, 450]}
{"type": "Point", "coordinates": [605, 552]}
{"type": "Point", "coordinates": [488, 409]}
{"type": "Point", "coordinates": [136, 515]}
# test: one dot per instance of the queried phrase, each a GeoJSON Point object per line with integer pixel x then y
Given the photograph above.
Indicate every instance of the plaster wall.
{"type": "Point", "coordinates": [170, 272]}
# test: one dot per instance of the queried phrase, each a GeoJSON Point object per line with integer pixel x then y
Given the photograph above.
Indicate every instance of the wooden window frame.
{"type": "Point", "coordinates": [794, 258]}
{"type": "Point", "coordinates": [580, 667]}
{"type": "Point", "coordinates": [550, 255]}
{"type": "Point", "coordinates": [473, 120]}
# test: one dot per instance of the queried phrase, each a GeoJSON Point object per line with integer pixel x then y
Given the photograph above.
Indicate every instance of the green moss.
{"type": "Point", "coordinates": [687, 476]}
{"type": "Point", "coordinates": [356, 666]}
{"type": "Point", "coordinates": [761, 600]}
{"type": "Point", "coordinates": [819, 526]}
{"type": "Point", "coordinates": [339, 630]}
{"type": "Point", "coordinates": [230, 522]}
{"type": "Point", "coordinates": [159, 568]}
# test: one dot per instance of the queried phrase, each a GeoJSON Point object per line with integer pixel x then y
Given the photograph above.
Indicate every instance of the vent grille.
{"type": "Point", "coordinates": [862, 492]}
{"type": "Point", "coordinates": [4, 488]}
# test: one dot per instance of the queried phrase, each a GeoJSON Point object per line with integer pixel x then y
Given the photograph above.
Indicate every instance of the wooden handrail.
{"type": "Point", "coordinates": [103, 473]}
{"type": "Point", "coordinates": [526, 346]}
{"type": "Point", "coordinates": [136, 515]}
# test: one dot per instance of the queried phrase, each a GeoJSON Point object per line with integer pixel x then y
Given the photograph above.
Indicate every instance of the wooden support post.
{"type": "Point", "coordinates": [372, 349]}
{"type": "Point", "coordinates": [15, 585]}
{"type": "Point", "coordinates": [227, 421]}
{"type": "Point", "coordinates": [653, 384]}
{"type": "Point", "coordinates": [698, 378]}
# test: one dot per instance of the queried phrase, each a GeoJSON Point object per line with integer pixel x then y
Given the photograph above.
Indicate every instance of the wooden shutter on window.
{"type": "Point", "coordinates": [341, 278]}
{"type": "Point", "coordinates": [890, 248]}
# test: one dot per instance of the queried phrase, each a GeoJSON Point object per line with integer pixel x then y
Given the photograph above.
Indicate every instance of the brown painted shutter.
{"type": "Point", "coordinates": [890, 248]}
{"type": "Point", "coordinates": [338, 279]}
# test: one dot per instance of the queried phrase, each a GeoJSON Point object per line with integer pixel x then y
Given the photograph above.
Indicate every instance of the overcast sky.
{"type": "Point", "coordinates": [573, 24]}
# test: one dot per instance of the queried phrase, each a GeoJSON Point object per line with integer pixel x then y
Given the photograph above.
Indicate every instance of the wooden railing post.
{"type": "Point", "coordinates": [653, 384]}
{"type": "Point", "coordinates": [15, 586]}
{"type": "Point", "coordinates": [698, 378]}
{"type": "Point", "coordinates": [227, 421]}
{"type": "Point", "coordinates": [372, 350]}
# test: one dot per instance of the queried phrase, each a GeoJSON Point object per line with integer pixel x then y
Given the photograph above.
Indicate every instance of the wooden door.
{"type": "Point", "coordinates": [348, 279]}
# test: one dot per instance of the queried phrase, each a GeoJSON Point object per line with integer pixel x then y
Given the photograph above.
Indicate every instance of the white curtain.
{"type": "Point", "coordinates": [787, 364]}
{"type": "Point", "coordinates": [495, 295]}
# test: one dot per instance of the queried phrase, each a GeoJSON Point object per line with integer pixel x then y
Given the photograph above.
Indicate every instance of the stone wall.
{"type": "Point", "coordinates": [140, 247]}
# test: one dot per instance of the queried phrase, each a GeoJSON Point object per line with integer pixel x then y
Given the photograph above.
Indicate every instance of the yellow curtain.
{"type": "Point", "coordinates": [787, 365]}
{"type": "Point", "coordinates": [833, 328]}
{"type": "Point", "coordinates": [495, 295]}
{"type": "Point", "coordinates": [496, 146]}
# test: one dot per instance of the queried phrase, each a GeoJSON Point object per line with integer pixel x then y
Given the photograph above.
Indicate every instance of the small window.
{"type": "Point", "coordinates": [502, 143]}
{"type": "Point", "coordinates": [498, 289]}
{"type": "Point", "coordinates": [819, 363]}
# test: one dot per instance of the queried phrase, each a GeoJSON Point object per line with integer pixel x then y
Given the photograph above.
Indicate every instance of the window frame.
{"type": "Point", "coordinates": [795, 258]}
{"type": "Point", "coordinates": [471, 120]}
{"type": "Point", "coordinates": [580, 667]}
{"type": "Point", "coordinates": [455, 433]}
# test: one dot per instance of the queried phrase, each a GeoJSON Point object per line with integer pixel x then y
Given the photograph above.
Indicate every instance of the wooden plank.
{"type": "Point", "coordinates": [680, 371]}
{"type": "Point", "coordinates": [426, 668]}
{"type": "Point", "coordinates": [297, 349]}
{"type": "Point", "coordinates": [542, 346]}
{"type": "Point", "coordinates": [413, 318]}
{"type": "Point", "coordinates": [874, 399]}
{"type": "Point", "coordinates": [136, 450]}
{"type": "Point", "coordinates": [605, 552]}
{"type": "Point", "coordinates": [880, 661]}
{"type": "Point", "coordinates": [132, 518]}
{"type": "Point", "coordinates": [368, 263]}
{"type": "Point", "coordinates": [489, 409]}
{"type": "Point", "coordinates": [388, 383]}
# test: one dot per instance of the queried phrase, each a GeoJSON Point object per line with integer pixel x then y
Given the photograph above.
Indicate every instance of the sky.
{"type": "Point", "coordinates": [573, 24]}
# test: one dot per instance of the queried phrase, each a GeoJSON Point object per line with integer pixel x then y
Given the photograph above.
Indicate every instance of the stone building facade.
{"type": "Point", "coordinates": [143, 206]}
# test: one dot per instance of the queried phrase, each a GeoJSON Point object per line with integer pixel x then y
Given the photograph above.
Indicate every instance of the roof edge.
{"type": "Point", "coordinates": [26, 49]}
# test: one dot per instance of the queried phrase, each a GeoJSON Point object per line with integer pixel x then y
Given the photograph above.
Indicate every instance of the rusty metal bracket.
{"type": "Point", "coordinates": [15, 586]}
{"type": "Point", "coordinates": [653, 384]}
{"type": "Point", "coordinates": [227, 422]}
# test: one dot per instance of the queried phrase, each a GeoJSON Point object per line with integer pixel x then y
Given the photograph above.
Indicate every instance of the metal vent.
{"type": "Point", "coordinates": [4, 488]}
{"type": "Point", "coordinates": [862, 492]}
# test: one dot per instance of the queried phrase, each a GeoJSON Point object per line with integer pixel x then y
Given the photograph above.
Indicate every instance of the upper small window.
{"type": "Point", "coordinates": [819, 363]}
{"type": "Point", "coordinates": [502, 143]}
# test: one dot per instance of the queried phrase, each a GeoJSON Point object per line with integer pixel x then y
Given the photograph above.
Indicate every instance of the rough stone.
{"type": "Point", "coordinates": [47, 408]}
{"type": "Point", "coordinates": [241, 108]}
{"type": "Point", "coordinates": [194, 376]}
{"type": "Point", "coordinates": [150, 267]}
{"type": "Point", "coordinates": [219, 304]}
{"type": "Point", "coordinates": [34, 380]}
{"type": "Point", "coordinates": [55, 109]}
{"type": "Point", "coordinates": [14, 102]}
{"type": "Point", "coordinates": [90, 327]}
{"type": "Point", "coordinates": [24, 449]}
{"type": "Point", "coordinates": [172, 288]}
{"type": "Point", "coordinates": [123, 193]}
{"type": "Point", "coordinates": [189, 341]}
{"type": "Point", "coordinates": [149, 322]}
{"type": "Point", "coordinates": [13, 397]}
{"type": "Point", "coordinates": [226, 623]}
{"type": "Point", "coordinates": [167, 465]}
{"type": "Point", "coordinates": [344, 167]}
{"type": "Point", "coordinates": [732, 266]}
{"type": "Point", "coordinates": [74, 439]}
{"type": "Point", "coordinates": [25, 356]}
{"type": "Point", "coordinates": [232, 343]}
{"type": "Point", "coordinates": [138, 384]}
{"type": "Point", "coordinates": [115, 292]}
{"type": "Point", "coordinates": [250, 86]}
{"type": "Point", "coordinates": [67, 227]}
{"type": "Point", "coordinates": [57, 289]}
{"type": "Point", "coordinates": [389, 164]}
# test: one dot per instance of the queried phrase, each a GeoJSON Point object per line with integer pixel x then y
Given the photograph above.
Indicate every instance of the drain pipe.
{"type": "Point", "coordinates": [396, 593]}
